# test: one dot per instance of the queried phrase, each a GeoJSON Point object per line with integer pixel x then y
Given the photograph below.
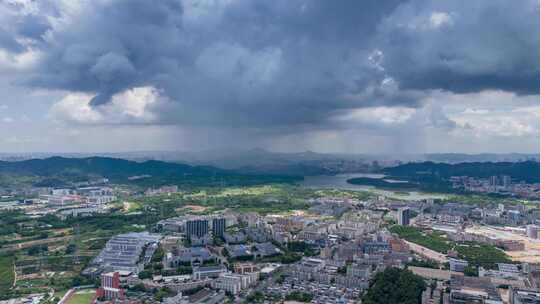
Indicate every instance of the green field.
{"type": "Point", "coordinates": [475, 253]}
{"type": "Point", "coordinates": [483, 255]}
{"type": "Point", "coordinates": [81, 298]}
{"type": "Point", "coordinates": [262, 199]}
{"type": "Point", "coordinates": [60, 294]}
{"type": "Point", "coordinates": [6, 273]}
{"type": "Point", "coordinates": [434, 241]}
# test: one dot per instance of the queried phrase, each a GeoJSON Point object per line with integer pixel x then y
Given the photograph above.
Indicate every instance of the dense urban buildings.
{"type": "Point", "coordinates": [327, 251]}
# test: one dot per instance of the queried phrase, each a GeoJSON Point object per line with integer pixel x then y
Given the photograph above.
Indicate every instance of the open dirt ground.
{"type": "Point", "coordinates": [531, 254]}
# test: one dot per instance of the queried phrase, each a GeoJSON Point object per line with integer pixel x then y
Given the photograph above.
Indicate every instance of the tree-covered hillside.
{"type": "Point", "coordinates": [395, 286]}
{"type": "Point", "coordinates": [528, 171]}
{"type": "Point", "coordinates": [56, 171]}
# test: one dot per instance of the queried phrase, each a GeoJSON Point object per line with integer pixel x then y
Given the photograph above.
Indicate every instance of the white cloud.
{"type": "Point", "coordinates": [7, 120]}
{"type": "Point", "coordinates": [130, 106]}
{"type": "Point", "coordinates": [76, 107]}
{"type": "Point", "coordinates": [515, 123]}
{"type": "Point", "coordinates": [475, 111]}
{"type": "Point", "coordinates": [134, 103]}
{"type": "Point", "coordinates": [376, 115]}
{"type": "Point", "coordinates": [18, 62]}
{"type": "Point", "coordinates": [439, 19]}
{"type": "Point", "coordinates": [504, 126]}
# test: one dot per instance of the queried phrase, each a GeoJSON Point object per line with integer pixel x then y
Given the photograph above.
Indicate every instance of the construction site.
{"type": "Point", "coordinates": [531, 251]}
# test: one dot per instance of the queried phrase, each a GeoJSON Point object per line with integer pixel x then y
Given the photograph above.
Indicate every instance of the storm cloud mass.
{"type": "Point", "coordinates": [349, 76]}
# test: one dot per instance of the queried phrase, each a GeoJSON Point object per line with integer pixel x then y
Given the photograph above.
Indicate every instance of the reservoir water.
{"type": "Point", "coordinates": [339, 181]}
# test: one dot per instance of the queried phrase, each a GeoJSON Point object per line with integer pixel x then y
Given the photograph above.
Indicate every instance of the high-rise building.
{"type": "Point", "coordinates": [218, 226]}
{"type": "Point", "coordinates": [404, 216]}
{"type": "Point", "coordinates": [197, 227]}
{"type": "Point", "coordinates": [514, 216]}
{"type": "Point", "coordinates": [494, 181]}
{"type": "Point", "coordinates": [506, 181]}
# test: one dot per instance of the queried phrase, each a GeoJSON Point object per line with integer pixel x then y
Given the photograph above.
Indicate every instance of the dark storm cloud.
{"type": "Point", "coordinates": [110, 47]}
{"type": "Point", "coordinates": [464, 46]}
{"type": "Point", "coordinates": [286, 63]}
{"type": "Point", "coordinates": [244, 63]}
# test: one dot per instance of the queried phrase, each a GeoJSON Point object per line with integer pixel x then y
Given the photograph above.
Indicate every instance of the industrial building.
{"type": "Point", "coordinates": [127, 252]}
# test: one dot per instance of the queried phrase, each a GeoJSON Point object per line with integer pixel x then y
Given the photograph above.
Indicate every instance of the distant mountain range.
{"type": "Point", "coordinates": [260, 161]}
{"type": "Point", "coordinates": [57, 171]}
{"type": "Point", "coordinates": [528, 171]}
{"type": "Point", "coordinates": [256, 167]}
{"type": "Point", "coordinates": [255, 161]}
{"type": "Point", "coordinates": [244, 157]}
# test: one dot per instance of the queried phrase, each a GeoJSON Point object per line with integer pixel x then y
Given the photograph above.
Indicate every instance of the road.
{"type": "Point", "coordinates": [427, 253]}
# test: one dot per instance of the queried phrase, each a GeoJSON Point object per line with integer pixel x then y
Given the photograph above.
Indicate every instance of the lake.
{"type": "Point", "coordinates": [339, 181]}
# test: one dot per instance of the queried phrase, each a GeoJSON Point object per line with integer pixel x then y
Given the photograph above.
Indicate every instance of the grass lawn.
{"type": "Point", "coordinates": [434, 241]}
{"type": "Point", "coordinates": [82, 297]}
{"type": "Point", "coordinates": [483, 255]}
{"type": "Point", "coordinates": [6, 273]}
{"type": "Point", "coordinates": [476, 254]}
{"type": "Point", "coordinates": [60, 294]}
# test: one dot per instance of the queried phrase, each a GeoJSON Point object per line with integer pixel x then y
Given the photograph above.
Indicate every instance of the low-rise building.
{"type": "Point", "coordinates": [524, 296]}
{"type": "Point", "coordinates": [234, 238]}
{"type": "Point", "coordinates": [234, 283]}
{"type": "Point", "coordinates": [187, 256]}
{"type": "Point", "coordinates": [127, 252]}
{"type": "Point", "coordinates": [466, 290]}
{"type": "Point", "coordinates": [201, 273]}
{"type": "Point", "coordinates": [457, 264]}
{"type": "Point", "coordinates": [243, 268]}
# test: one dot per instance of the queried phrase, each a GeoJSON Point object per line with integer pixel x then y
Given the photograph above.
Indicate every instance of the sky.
{"type": "Point", "coordinates": [371, 76]}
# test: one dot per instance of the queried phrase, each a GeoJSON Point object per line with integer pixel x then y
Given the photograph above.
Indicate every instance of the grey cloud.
{"type": "Point", "coordinates": [111, 71]}
{"type": "Point", "coordinates": [20, 28]}
{"type": "Point", "coordinates": [468, 47]}
{"type": "Point", "coordinates": [8, 42]}
{"type": "Point", "coordinates": [248, 63]}
{"type": "Point", "coordinates": [32, 26]}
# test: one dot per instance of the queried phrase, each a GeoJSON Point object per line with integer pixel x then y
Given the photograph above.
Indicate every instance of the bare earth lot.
{"type": "Point", "coordinates": [531, 254]}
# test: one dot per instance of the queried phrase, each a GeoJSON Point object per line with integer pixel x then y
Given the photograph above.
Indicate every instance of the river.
{"type": "Point", "coordinates": [339, 181]}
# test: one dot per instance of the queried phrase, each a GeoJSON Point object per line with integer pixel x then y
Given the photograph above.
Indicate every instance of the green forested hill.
{"type": "Point", "coordinates": [58, 170]}
{"type": "Point", "coordinates": [528, 171]}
